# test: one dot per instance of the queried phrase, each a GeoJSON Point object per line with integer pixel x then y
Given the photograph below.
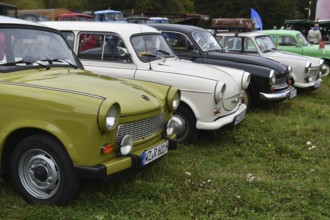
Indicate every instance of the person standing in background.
{"type": "Point", "coordinates": [314, 35]}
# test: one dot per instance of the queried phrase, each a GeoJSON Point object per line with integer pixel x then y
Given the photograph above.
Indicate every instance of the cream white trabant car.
{"type": "Point", "coordinates": [211, 96]}
{"type": "Point", "coordinates": [306, 71]}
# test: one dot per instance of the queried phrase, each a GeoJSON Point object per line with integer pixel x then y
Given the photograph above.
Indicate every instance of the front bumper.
{"type": "Point", "coordinates": [290, 92]}
{"type": "Point", "coordinates": [309, 85]}
{"type": "Point", "coordinates": [228, 119]}
{"type": "Point", "coordinates": [120, 166]}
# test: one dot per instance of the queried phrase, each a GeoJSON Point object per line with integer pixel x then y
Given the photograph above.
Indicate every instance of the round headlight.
{"type": "Point", "coordinates": [176, 101]}
{"type": "Point", "coordinates": [173, 98]}
{"type": "Point", "coordinates": [219, 92]}
{"type": "Point", "coordinates": [112, 117]}
{"type": "Point", "coordinates": [272, 77]}
{"type": "Point", "coordinates": [126, 145]}
{"type": "Point", "coordinates": [108, 115]}
{"type": "Point", "coordinates": [307, 66]}
{"type": "Point", "coordinates": [290, 72]}
{"type": "Point", "coordinates": [246, 80]}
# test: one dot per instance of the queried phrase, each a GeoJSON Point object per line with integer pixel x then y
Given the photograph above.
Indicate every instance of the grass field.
{"type": "Point", "coordinates": [274, 165]}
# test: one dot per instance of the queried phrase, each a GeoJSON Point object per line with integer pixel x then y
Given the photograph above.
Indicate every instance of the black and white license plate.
{"type": "Point", "coordinates": [293, 93]}
{"type": "Point", "coordinates": [317, 84]}
{"type": "Point", "coordinates": [239, 118]}
{"type": "Point", "coordinates": [154, 153]}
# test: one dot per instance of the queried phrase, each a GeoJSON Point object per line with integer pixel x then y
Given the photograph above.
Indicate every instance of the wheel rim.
{"type": "Point", "coordinates": [326, 70]}
{"type": "Point", "coordinates": [39, 173]}
{"type": "Point", "coordinates": [181, 136]}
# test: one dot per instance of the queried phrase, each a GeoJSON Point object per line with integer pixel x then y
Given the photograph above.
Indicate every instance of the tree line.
{"type": "Point", "coordinates": [272, 12]}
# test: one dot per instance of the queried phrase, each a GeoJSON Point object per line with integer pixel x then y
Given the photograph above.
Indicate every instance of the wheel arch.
{"type": "Point", "coordinates": [14, 138]}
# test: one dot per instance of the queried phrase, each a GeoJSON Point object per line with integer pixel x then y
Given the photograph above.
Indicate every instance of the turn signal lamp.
{"type": "Point", "coordinates": [107, 148]}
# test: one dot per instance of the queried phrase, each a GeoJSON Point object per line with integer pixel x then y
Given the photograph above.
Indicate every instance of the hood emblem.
{"type": "Point", "coordinates": [145, 97]}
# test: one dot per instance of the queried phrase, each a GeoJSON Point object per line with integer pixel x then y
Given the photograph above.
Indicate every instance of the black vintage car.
{"type": "Point", "coordinates": [270, 80]}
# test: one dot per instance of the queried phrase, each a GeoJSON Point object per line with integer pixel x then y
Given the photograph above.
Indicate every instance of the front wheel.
{"type": "Point", "coordinates": [189, 132]}
{"type": "Point", "coordinates": [42, 171]}
{"type": "Point", "coordinates": [326, 70]}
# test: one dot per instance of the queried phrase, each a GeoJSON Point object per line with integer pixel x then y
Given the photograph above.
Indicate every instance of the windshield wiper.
{"type": "Point", "coordinates": [27, 62]}
{"type": "Point", "coordinates": [51, 61]}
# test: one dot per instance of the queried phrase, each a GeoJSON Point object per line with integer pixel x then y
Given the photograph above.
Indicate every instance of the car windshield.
{"type": "Point", "coordinates": [302, 39]}
{"type": "Point", "coordinates": [27, 47]}
{"type": "Point", "coordinates": [265, 44]}
{"type": "Point", "coordinates": [151, 47]}
{"type": "Point", "coordinates": [206, 41]}
{"type": "Point", "coordinates": [114, 16]}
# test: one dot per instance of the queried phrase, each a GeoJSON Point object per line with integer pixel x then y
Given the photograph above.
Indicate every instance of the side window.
{"type": "Point", "coordinates": [286, 41]}
{"type": "Point", "coordinates": [249, 46]}
{"type": "Point", "coordinates": [177, 41]}
{"type": "Point", "coordinates": [233, 44]}
{"type": "Point", "coordinates": [103, 47]}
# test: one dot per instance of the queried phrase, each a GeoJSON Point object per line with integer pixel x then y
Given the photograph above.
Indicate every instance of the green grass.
{"type": "Point", "coordinates": [261, 169]}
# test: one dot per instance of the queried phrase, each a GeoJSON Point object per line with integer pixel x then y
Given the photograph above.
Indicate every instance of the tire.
{"type": "Point", "coordinates": [190, 133]}
{"type": "Point", "coordinates": [327, 65]}
{"type": "Point", "coordinates": [42, 171]}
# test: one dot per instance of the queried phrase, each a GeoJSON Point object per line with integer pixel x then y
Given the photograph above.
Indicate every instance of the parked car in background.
{"type": "Point", "coordinates": [295, 42]}
{"type": "Point", "coordinates": [306, 71]}
{"type": "Point", "coordinates": [33, 17]}
{"type": "Point", "coordinates": [109, 16]}
{"type": "Point", "coordinates": [60, 123]}
{"type": "Point", "coordinates": [270, 80]}
{"type": "Point", "coordinates": [75, 17]}
{"type": "Point", "coordinates": [161, 20]}
{"type": "Point", "coordinates": [138, 19]}
{"type": "Point", "coordinates": [211, 96]}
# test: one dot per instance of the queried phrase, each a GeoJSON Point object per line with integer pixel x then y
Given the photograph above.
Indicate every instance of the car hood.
{"type": "Point", "coordinates": [248, 59]}
{"type": "Point", "coordinates": [287, 57]}
{"type": "Point", "coordinates": [231, 77]}
{"type": "Point", "coordinates": [128, 95]}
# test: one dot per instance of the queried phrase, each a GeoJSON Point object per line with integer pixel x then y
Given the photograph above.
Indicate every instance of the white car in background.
{"type": "Point", "coordinates": [211, 96]}
{"type": "Point", "coordinates": [306, 71]}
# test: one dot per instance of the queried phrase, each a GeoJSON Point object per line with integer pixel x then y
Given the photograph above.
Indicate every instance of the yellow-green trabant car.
{"type": "Point", "coordinates": [60, 123]}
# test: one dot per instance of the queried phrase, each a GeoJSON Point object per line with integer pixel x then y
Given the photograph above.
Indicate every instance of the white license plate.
{"type": "Point", "coordinates": [154, 153]}
{"type": "Point", "coordinates": [293, 93]}
{"type": "Point", "coordinates": [239, 118]}
{"type": "Point", "coordinates": [317, 84]}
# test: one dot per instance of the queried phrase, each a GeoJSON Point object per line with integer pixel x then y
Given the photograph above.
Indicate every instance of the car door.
{"type": "Point", "coordinates": [290, 44]}
{"type": "Point", "coordinates": [102, 53]}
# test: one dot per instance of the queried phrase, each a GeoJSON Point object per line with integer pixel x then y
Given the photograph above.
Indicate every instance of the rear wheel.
{"type": "Point", "coordinates": [42, 171]}
{"type": "Point", "coordinates": [189, 132]}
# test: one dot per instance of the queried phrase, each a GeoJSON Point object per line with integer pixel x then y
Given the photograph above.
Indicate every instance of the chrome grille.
{"type": "Point", "coordinates": [141, 129]}
{"type": "Point", "coordinates": [314, 73]}
{"type": "Point", "coordinates": [281, 83]}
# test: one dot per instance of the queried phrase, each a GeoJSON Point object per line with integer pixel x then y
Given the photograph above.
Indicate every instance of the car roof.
{"type": "Point", "coordinates": [249, 33]}
{"type": "Point", "coordinates": [186, 29]}
{"type": "Point", "coordinates": [16, 21]}
{"type": "Point", "coordinates": [106, 11]}
{"type": "Point", "coordinates": [281, 31]}
{"type": "Point", "coordinates": [127, 28]}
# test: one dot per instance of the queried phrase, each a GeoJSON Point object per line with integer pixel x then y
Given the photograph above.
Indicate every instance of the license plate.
{"type": "Point", "coordinates": [239, 118]}
{"type": "Point", "coordinates": [154, 153]}
{"type": "Point", "coordinates": [293, 93]}
{"type": "Point", "coordinates": [317, 84]}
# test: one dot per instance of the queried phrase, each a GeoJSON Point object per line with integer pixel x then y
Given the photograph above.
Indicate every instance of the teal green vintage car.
{"type": "Point", "coordinates": [295, 42]}
{"type": "Point", "coordinates": [60, 123]}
